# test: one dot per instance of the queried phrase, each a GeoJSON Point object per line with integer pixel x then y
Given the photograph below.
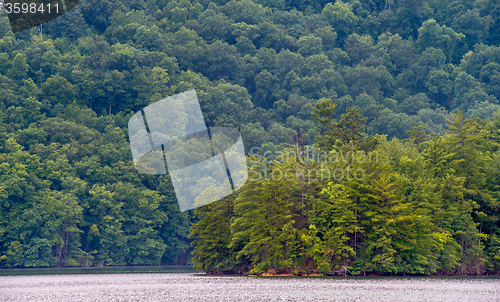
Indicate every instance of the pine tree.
{"type": "Point", "coordinates": [445, 192]}
{"type": "Point", "coordinates": [417, 136]}
{"type": "Point", "coordinates": [464, 139]}
{"type": "Point", "coordinates": [212, 236]}
{"type": "Point", "coordinates": [263, 224]}
{"type": "Point", "coordinates": [323, 113]}
{"type": "Point", "coordinates": [334, 217]}
{"type": "Point", "coordinates": [351, 127]}
{"type": "Point", "coordinates": [466, 157]}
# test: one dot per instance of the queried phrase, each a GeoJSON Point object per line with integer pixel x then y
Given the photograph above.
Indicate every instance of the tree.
{"type": "Point", "coordinates": [473, 26]}
{"type": "Point", "coordinates": [245, 11]}
{"type": "Point", "coordinates": [263, 225]}
{"type": "Point", "coordinates": [415, 77]}
{"type": "Point", "coordinates": [467, 160]}
{"type": "Point", "coordinates": [323, 113]}
{"type": "Point", "coordinates": [351, 127]}
{"type": "Point", "coordinates": [189, 49]}
{"type": "Point", "coordinates": [417, 136]}
{"type": "Point", "coordinates": [212, 237]}
{"type": "Point", "coordinates": [71, 25]}
{"type": "Point", "coordinates": [433, 35]}
{"type": "Point", "coordinates": [369, 80]}
{"type": "Point", "coordinates": [310, 45]}
{"type": "Point", "coordinates": [97, 13]}
{"type": "Point", "coordinates": [358, 48]}
{"type": "Point", "coordinates": [413, 104]}
{"type": "Point", "coordinates": [264, 83]}
{"type": "Point", "coordinates": [215, 26]}
{"type": "Point", "coordinates": [287, 61]}
{"type": "Point", "coordinates": [328, 37]}
{"type": "Point", "coordinates": [224, 61]}
{"type": "Point", "coordinates": [19, 69]}
{"type": "Point", "coordinates": [334, 218]}
{"type": "Point", "coordinates": [58, 90]}
{"type": "Point", "coordinates": [340, 17]}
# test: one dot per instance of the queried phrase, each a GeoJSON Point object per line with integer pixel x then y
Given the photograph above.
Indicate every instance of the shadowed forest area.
{"type": "Point", "coordinates": [414, 82]}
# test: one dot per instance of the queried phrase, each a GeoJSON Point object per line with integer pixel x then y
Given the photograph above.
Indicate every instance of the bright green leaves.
{"type": "Point", "coordinates": [70, 196]}
{"type": "Point", "coordinates": [334, 216]}
{"type": "Point", "coordinates": [263, 224]}
{"type": "Point", "coordinates": [19, 69]}
{"type": "Point", "coordinates": [409, 207]}
{"type": "Point", "coordinates": [212, 236]}
{"type": "Point", "coordinates": [464, 139]}
{"type": "Point", "coordinates": [433, 35]}
{"type": "Point", "coordinates": [46, 233]}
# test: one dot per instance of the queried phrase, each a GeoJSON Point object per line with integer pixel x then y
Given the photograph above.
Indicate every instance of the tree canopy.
{"type": "Point", "coordinates": [416, 83]}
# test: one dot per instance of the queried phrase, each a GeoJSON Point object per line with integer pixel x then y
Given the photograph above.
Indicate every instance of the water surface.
{"type": "Point", "coordinates": [191, 286]}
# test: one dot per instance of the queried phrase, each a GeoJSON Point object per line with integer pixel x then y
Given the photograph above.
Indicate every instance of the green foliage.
{"type": "Point", "coordinates": [212, 253]}
{"type": "Point", "coordinates": [402, 208]}
{"type": "Point", "coordinates": [72, 197]}
{"type": "Point", "coordinates": [433, 35]}
{"type": "Point", "coordinates": [342, 73]}
{"type": "Point", "coordinates": [19, 69]}
{"type": "Point", "coordinates": [263, 227]}
{"type": "Point", "coordinates": [340, 16]}
{"type": "Point", "coordinates": [336, 221]}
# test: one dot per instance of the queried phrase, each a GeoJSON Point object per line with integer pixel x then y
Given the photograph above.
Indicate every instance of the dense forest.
{"type": "Point", "coordinates": [361, 204]}
{"type": "Point", "coordinates": [405, 91]}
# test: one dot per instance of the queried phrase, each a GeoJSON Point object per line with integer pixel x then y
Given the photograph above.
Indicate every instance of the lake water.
{"type": "Point", "coordinates": [185, 285]}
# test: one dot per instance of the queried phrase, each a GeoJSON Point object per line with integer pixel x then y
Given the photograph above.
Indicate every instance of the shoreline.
{"type": "Point", "coordinates": [274, 273]}
{"type": "Point", "coordinates": [310, 272]}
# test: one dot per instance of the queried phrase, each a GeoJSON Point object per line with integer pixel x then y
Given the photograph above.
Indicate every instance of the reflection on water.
{"type": "Point", "coordinates": [199, 287]}
{"type": "Point", "coordinates": [97, 270]}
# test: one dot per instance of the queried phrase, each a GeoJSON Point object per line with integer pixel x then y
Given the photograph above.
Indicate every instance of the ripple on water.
{"type": "Point", "coordinates": [198, 287]}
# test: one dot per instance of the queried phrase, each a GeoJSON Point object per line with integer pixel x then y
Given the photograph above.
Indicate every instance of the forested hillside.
{"type": "Point", "coordinates": [284, 72]}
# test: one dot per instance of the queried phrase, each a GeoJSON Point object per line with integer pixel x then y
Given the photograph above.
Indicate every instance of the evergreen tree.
{"type": "Point", "coordinates": [212, 237]}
